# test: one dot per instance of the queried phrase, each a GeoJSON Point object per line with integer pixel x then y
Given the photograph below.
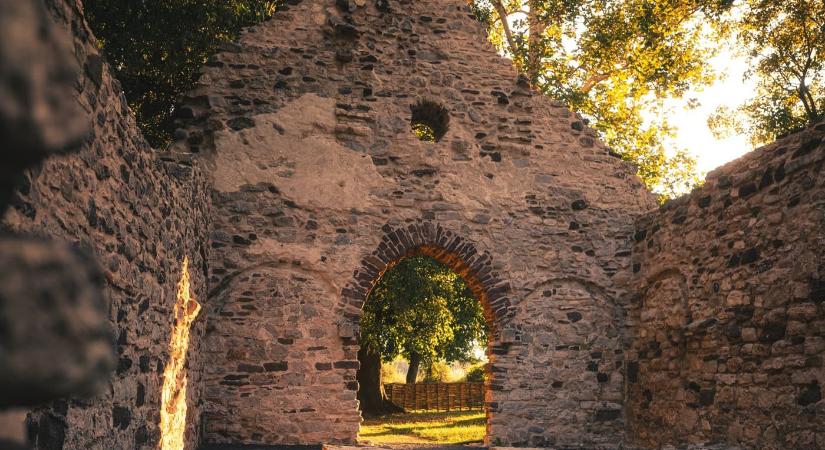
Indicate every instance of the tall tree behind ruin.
{"type": "Point", "coordinates": [615, 61]}
{"type": "Point", "coordinates": [785, 44]}
{"type": "Point", "coordinates": [422, 311]}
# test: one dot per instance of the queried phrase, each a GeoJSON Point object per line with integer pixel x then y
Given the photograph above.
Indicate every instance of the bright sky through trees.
{"type": "Point", "coordinates": [676, 87]}
{"type": "Point", "coordinates": [692, 132]}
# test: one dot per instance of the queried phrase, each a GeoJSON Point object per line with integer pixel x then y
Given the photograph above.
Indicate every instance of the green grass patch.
{"type": "Point", "coordinates": [425, 428]}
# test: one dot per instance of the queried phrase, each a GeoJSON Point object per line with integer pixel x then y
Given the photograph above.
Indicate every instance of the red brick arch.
{"type": "Point", "coordinates": [456, 252]}
{"type": "Point", "coordinates": [464, 257]}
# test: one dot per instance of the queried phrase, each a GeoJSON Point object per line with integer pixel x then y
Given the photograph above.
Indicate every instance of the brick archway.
{"type": "Point", "coordinates": [460, 254]}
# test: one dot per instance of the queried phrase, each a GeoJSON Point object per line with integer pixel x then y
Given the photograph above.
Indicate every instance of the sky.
{"type": "Point", "coordinates": [692, 131]}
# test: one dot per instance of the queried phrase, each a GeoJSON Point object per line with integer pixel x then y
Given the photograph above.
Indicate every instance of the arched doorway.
{"type": "Point", "coordinates": [461, 256]}
{"type": "Point", "coordinates": [283, 343]}
{"type": "Point", "coordinates": [423, 358]}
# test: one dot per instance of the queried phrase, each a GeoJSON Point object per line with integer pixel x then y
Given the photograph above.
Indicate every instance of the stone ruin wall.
{"type": "Point", "coordinates": [722, 342]}
{"type": "Point", "coordinates": [730, 314]}
{"type": "Point", "coordinates": [139, 217]}
{"type": "Point", "coordinates": [319, 185]}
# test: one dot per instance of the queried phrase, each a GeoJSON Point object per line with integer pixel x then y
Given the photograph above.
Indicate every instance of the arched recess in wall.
{"type": "Point", "coordinates": [576, 333]}
{"type": "Point", "coordinates": [571, 288]}
{"type": "Point", "coordinates": [563, 291]}
{"type": "Point", "coordinates": [275, 367]}
{"type": "Point", "coordinates": [461, 255]}
{"type": "Point", "coordinates": [659, 347]}
{"type": "Point", "coordinates": [664, 299]}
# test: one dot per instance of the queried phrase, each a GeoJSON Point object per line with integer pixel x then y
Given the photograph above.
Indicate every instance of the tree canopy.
{"type": "Point", "coordinates": [156, 48]}
{"type": "Point", "coordinates": [615, 61]}
{"type": "Point", "coordinates": [784, 42]}
{"type": "Point", "coordinates": [421, 309]}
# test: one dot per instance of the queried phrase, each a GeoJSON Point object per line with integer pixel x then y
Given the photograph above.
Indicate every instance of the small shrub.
{"type": "Point", "coordinates": [391, 374]}
{"type": "Point", "coordinates": [475, 373]}
{"type": "Point", "coordinates": [437, 372]}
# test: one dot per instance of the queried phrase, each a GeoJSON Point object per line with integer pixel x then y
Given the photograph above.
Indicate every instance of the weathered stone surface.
{"type": "Point", "coordinates": [54, 339]}
{"type": "Point", "coordinates": [136, 214]}
{"type": "Point", "coordinates": [324, 186]}
{"type": "Point", "coordinates": [12, 427]}
{"type": "Point", "coordinates": [729, 321]}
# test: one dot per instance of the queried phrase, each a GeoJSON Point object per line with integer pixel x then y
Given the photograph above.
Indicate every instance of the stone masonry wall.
{"type": "Point", "coordinates": [307, 183]}
{"type": "Point", "coordinates": [319, 185]}
{"type": "Point", "coordinates": [139, 216]}
{"type": "Point", "coordinates": [730, 314]}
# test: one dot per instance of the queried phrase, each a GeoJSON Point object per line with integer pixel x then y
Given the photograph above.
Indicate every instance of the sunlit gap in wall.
{"type": "Point", "coordinates": [173, 395]}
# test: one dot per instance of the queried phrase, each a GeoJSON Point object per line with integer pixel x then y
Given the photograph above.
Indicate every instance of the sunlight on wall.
{"type": "Point", "coordinates": [173, 395]}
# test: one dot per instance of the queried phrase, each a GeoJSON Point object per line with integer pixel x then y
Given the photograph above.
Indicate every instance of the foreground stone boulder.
{"type": "Point", "coordinates": [39, 115]}
{"type": "Point", "coordinates": [56, 340]}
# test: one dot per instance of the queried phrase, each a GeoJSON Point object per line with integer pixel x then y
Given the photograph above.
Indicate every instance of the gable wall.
{"type": "Point", "coordinates": [318, 178]}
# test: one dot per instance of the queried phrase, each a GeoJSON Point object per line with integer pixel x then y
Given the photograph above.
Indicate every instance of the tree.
{"type": "Point", "coordinates": [372, 399]}
{"type": "Point", "coordinates": [476, 373]}
{"type": "Point", "coordinates": [419, 309]}
{"type": "Point", "coordinates": [155, 48]}
{"type": "Point", "coordinates": [785, 44]}
{"type": "Point", "coordinates": [615, 61]}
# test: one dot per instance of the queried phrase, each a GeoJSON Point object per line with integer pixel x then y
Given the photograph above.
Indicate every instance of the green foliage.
{"type": "Point", "coordinates": [423, 132]}
{"type": "Point", "coordinates": [156, 48]}
{"type": "Point", "coordinates": [725, 122]}
{"type": "Point", "coordinates": [785, 44]}
{"type": "Point", "coordinates": [615, 61]}
{"type": "Point", "coordinates": [437, 371]}
{"type": "Point", "coordinates": [482, 11]}
{"type": "Point", "coordinates": [420, 306]}
{"type": "Point", "coordinates": [679, 175]}
{"type": "Point", "coordinates": [477, 372]}
{"type": "Point", "coordinates": [390, 372]}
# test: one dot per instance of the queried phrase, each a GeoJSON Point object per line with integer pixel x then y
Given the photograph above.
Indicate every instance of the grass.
{"type": "Point", "coordinates": [425, 428]}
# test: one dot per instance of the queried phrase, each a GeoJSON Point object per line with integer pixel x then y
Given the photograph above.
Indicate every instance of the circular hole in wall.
{"type": "Point", "coordinates": [429, 120]}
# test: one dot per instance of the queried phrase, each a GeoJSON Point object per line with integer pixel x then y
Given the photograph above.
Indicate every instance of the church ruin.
{"type": "Point", "coordinates": [236, 262]}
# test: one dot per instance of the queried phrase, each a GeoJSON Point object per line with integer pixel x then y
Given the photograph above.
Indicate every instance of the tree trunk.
{"type": "Point", "coordinates": [508, 34]}
{"type": "Point", "coordinates": [372, 399]}
{"type": "Point", "coordinates": [415, 364]}
{"type": "Point", "coordinates": [802, 93]}
{"type": "Point", "coordinates": [534, 32]}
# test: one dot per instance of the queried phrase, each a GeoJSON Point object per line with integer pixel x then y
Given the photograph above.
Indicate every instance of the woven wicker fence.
{"type": "Point", "coordinates": [437, 396]}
